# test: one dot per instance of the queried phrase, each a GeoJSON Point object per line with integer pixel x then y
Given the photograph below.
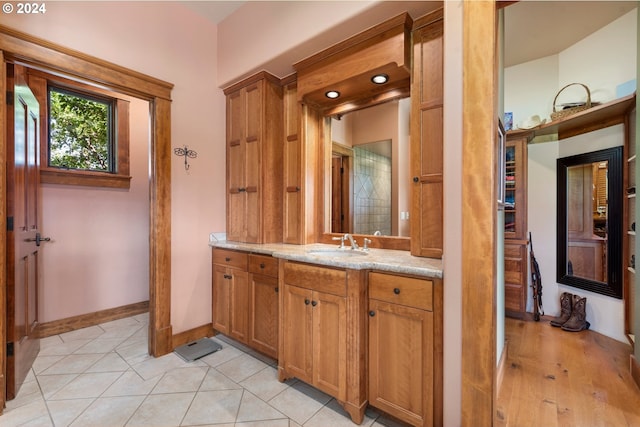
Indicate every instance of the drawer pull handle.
{"type": "Point", "coordinates": [227, 259]}
{"type": "Point", "coordinates": [306, 302]}
{"type": "Point", "coordinates": [396, 291]}
{"type": "Point", "coordinates": [372, 313]}
{"type": "Point", "coordinates": [314, 303]}
{"type": "Point", "coordinates": [262, 265]}
{"type": "Point", "coordinates": [228, 276]}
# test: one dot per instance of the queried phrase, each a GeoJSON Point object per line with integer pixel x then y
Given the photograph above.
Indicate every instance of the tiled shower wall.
{"type": "Point", "coordinates": [371, 192]}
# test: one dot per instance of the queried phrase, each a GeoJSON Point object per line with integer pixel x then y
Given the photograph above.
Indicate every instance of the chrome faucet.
{"type": "Point", "coordinates": [354, 245]}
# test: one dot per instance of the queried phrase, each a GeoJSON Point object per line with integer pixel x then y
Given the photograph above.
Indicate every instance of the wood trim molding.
{"type": "Point", "coordinates": [50, 57]}
{"type": "Point", "coordinates": [19, 47]}
{"type": "Point", "coordinates": [69, 324]}
{"type": "Point", "coordinates": [479, 213]}
{"type": "Point", "coordinates": [634, 367]}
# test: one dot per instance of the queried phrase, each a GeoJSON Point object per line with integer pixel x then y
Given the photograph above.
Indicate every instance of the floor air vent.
{"type": "Point", "coordinates": [197, 349]}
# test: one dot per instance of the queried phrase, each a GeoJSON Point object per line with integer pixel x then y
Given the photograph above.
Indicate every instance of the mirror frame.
{"type": "Point", "coordinates": [613, 286]}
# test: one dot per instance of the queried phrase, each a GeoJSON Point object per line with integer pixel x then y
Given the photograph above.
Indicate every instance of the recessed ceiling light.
{"type": "Point", "coordinates": [380, 79]}
{"type": "Point", "coordinates": [333, 94]}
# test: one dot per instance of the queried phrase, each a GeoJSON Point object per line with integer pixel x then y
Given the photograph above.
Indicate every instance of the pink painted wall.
{"type": "Point", "coordinates": [99, 254]}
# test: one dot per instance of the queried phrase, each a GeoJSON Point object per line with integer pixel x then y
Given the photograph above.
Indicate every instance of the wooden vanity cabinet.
{"type": "Point", "coordinates": [254, 160]}
{"type": "Point", "coordinates": [245, 299]}
{"type": "Point", "coordinates": [230, 293]}
{"type": "Point", "coordinates": [322, 332]}
{"type": "Point", "coordinates": [405, 347]}
{"type": "Point", "coordinates": [263, 304]}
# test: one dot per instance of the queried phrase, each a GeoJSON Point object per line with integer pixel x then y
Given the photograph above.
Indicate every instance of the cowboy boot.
{"type": "Point", "coordinates": [566, 300]}
{"type": "Point", "coordinates": [577, 321]}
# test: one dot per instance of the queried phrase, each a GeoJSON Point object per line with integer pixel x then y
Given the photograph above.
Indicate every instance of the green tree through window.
{"type": "Point", "coordinates": [79, 132]}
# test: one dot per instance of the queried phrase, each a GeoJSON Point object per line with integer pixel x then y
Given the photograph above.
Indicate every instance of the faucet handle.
{"type": "Point", "coordinates": [366, 244]}
{"type": "Point", "coordinates": [341, 238]}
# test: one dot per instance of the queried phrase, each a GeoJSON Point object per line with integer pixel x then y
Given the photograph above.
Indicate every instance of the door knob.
{"type": "Point", "coordinates": [39, 239]}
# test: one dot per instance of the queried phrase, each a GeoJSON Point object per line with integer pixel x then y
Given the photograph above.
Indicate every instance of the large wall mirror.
{"type": "Point", "coordinates": [370, 183]}
{"type": "Point", "coordinates": [589, 233]}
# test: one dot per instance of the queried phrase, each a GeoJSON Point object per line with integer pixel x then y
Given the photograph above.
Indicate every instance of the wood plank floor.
{"type": "Point", "coordinates": [558, 378]}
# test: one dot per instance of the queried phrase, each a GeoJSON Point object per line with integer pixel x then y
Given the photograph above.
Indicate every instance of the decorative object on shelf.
{"type": "Point", "coordinates": [187, 154]}
{"type": "Point", "coordinates": [508, 121]}
{"type": "Point", "coordinates": [571, 108]}
{"type": "Point", "coordinates": [531, 123]}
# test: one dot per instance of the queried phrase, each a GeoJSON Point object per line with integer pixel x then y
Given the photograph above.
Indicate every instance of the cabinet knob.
{"type": "Point", "coordinates": [416, 179]}
{"type": "Point", "coordinates": [262, 265]}
{"type": "Point", "coordinates": [306, 302]}
{"type": "Point", "coordinates": [396, 291]}
{"type": "Point", "coordinates": [372, 313]}
{"type": "Point", "coordinates": [314, 303]}
{"type": "Point", "coordinates": [228, 276]}
{"type": "Point", "coordinates": [227, 259]}
{"type": "Point", "coordinates": [276, 289]}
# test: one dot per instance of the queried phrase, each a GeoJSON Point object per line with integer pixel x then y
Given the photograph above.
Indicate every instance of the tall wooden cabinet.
{"type": "Point", "coordinates": [630, 219]}
{"type": "Point", "coordinates": [516, 265]}
{"type": "Point", "coordinates": [427, 138]}
{"type": "Point", "coordinates": [293, 209]}
{"type": "Point", "coordinates": [254, 160]}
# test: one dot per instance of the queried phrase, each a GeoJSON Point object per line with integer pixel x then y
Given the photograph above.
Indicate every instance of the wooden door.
{"type": "Point", "coordinates": [297, 330]}
{"type": "Point", "coordinates": [263, 312]}
{"type": "Point", "coordinates": [23, 234]}
{"type": "Point", "coordinates": [330, 344]}
{"type": "Point", "coordinates": [221, 295]}
{"type": "Point", "coordinates": [239, 309]}
{"type": "Point", "coordinates": [401, 361]}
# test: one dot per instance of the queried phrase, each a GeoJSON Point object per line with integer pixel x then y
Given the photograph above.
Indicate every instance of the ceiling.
{"type": "Point", "coordinates": [533, 28]}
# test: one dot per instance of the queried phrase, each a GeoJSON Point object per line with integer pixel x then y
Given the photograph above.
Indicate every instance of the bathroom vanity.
{"type": "Point", "coordinates": [362, 326]}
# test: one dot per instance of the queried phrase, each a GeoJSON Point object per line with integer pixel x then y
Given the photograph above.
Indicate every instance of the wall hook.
{"type": "Point", "coordinates": [187, 154]}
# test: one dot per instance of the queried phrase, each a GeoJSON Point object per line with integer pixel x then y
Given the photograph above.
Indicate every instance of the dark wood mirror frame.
{"type": "Point", "coordinates": [613, 286]}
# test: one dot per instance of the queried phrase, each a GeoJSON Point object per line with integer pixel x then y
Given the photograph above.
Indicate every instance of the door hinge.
{"type": "Point", "coordinates": [9, 349]}
{"type": "Point", "coordinates": [9, 223]}
{"type": "Point", "coordinates": [9, 97]}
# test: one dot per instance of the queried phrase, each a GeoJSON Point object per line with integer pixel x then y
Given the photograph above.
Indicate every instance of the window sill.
{"type": "Point", "coordinates": [84, 178]}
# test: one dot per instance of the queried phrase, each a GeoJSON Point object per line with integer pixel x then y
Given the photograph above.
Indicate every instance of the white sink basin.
{"type": "Point", "coordinates": [336, 252]}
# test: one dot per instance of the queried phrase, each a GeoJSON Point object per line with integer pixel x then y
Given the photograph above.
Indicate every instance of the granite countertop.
{"type": "Point", "coordinates": [324, 254]}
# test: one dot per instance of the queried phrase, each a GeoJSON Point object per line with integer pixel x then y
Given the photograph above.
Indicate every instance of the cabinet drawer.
{"type": "Point", "coordinates": [514, 250]}
{"type": "Point", "coordinates": [402, 290]}
{"type": "Point", "coordinates": [316, 278]}
{"type": "Point", "coordinates": [230, 258]}
{"type": "Point", "coordinates": [262, 264]}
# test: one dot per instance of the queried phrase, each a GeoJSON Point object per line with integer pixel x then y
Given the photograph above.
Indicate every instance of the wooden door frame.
{"type": "Point", "coordinates": [23, 48]}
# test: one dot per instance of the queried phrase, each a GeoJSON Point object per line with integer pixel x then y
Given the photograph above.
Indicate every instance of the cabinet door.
{"type": "Point", "coordinates": [427, 142]}
{"type": "Point", "coordinates": [239, 307]}
{"type": "Point", "coordinates": [293, 213]}
{"type": "Point", "coordinates": [401, 361]}
{"type": "Point", "coordinates": [236, 185]}
{"type": "Point", "coordinates": [329, 344]}
{"type": "Point", "coordinates": [297, 330]}
{"type": "Point", "coordinates": [263, 313]}
{"type": "Point", "coordinates": [253, 161]}
{"type": "Point", "coordinates": [221, 292]}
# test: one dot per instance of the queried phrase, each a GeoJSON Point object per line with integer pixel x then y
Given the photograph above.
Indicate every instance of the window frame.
{"type": "Point", "coordinates": [40, 82]}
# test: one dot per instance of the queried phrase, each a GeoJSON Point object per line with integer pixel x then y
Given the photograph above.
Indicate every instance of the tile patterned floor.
{"type": "Point", "coordinates": [103, 376]}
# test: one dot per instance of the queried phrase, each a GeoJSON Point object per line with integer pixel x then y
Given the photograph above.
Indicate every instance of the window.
{"type": "Point", "coordinates": [80, 132]}
{"type": "Point", "coordinates": [84, 134]}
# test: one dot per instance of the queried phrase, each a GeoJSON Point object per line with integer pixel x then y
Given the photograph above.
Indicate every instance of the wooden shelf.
{"type": "Point", "coordinates": [598, 117]}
